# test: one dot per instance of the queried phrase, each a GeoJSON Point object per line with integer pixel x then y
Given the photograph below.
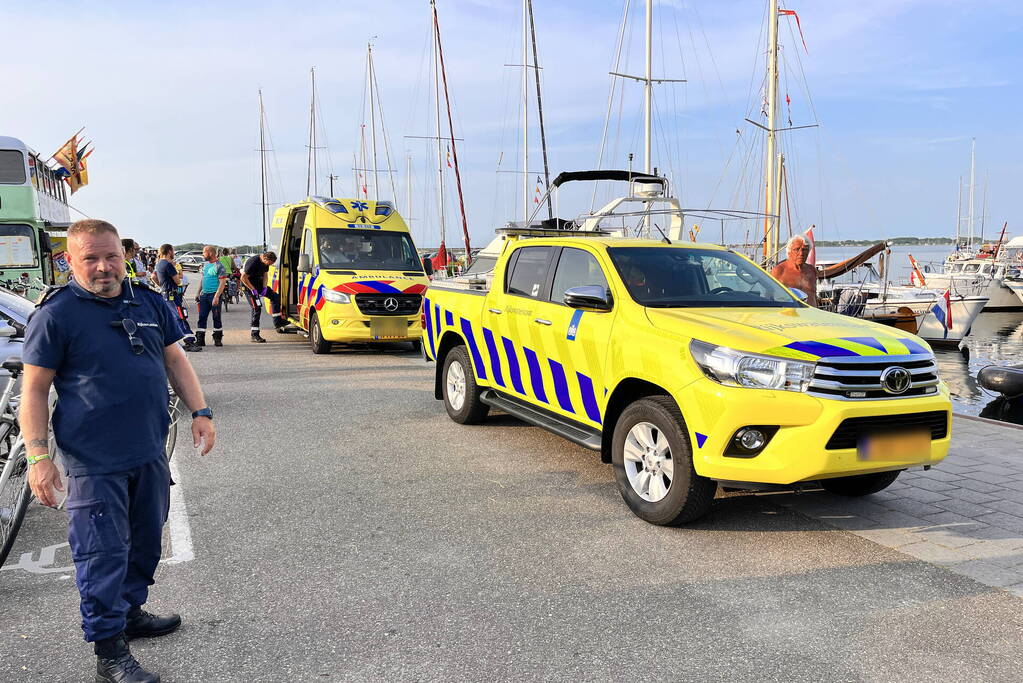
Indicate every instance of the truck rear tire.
{"type": "Point", "coordinates": [461, 393]}
{"type": "Point", "coordinates": [316, 340]}
{"type": "Point", "coordinates": [653, 464]}
{"type": "Point", "coordinates": [860, 484]}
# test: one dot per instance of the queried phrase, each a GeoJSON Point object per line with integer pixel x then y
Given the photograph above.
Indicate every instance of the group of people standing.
{"type": "Point", "coordinates": [214, 277]}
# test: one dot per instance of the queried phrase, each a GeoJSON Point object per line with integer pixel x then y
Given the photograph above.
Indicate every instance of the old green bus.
{"type": "Point", "coordinates": [34, 216]}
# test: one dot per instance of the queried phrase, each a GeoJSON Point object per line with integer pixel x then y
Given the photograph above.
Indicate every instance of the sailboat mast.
{"type": "Point", "coordinates": [372, 119]}
{"type": "Point", "coordinates": [539, 111]}
{"type": "Point", "coordinates": [973, 182]}
{"type": "Point", "coordinates": [525, 111]}
{"type": "Point", "coordinates": [983, 210]}
{"type": "Point", "coordinates": [454, 148]}
{"type": "Point", "coordinates": [408, 190]}
{"type": "Point", "coordinates": [770, 176]}
{"type": "Point", "coordinates": [262, 166]}
{"type": "Point", "coordinates": [959, 211]}
{"type": "Point", "coordinates": [436, 98]}
{"type": "Point", "coordinates": [648, 90]}
{"type": "Point", "coordinates": [310, 177]}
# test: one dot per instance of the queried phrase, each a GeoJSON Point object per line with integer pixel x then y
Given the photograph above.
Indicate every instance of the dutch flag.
{"type": "Point", "coordinates": [942, 310]}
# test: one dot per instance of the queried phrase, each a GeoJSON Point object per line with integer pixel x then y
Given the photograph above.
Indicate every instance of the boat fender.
{"type": "Point", "coordinates": [1006, 380]}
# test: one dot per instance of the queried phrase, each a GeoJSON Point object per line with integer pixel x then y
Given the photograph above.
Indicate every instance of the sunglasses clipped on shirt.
{"type": "Point", "coordinates": [130, 327]}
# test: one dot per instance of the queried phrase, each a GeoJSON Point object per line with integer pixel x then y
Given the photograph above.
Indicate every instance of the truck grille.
{"type": "Point", "coordinates": [849, 432]}
{"type": "Point", "coordinates": [859, 378]}
{"type": "Point", "coordinates": [389, 304]}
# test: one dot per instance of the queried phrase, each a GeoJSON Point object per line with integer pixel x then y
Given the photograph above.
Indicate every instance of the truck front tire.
{"type": "Point", "coordinates": [653, 464]}
{"type": "Point", "coordinates": [860, 484]}
{"type": "Point", "coordinates": [461, 393]}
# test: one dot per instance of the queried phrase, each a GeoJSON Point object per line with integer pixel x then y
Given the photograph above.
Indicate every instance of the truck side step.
{"type": "Point", "coordinates": [587, 437]}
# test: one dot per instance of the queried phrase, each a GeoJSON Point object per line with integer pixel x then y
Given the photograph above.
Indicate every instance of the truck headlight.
{"type": "Point", "coordinates": [336, 297]}
{"type": "Point", "coordinates": [741, 369]}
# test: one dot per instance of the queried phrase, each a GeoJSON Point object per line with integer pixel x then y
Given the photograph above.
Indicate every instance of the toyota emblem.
{"type": "Point", "coordinates": [896, 380]}
{"type": "Point", "coordinates": [391, 304]}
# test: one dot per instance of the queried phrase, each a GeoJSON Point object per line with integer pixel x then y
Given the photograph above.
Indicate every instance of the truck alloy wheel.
{"type": "Point", "coordinates": [648, 463]}
{"type": "Point", "coordinates": [461, 393]}
{"type": "Point", "coordinates": [653, 464]}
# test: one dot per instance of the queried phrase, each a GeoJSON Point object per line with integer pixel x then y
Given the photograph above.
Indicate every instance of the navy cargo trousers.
{"type": "Point", "coordinates": [115, 527]}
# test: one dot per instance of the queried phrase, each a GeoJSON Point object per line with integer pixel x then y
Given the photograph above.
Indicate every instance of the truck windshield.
{"type": "Point", "coordinates": [366, 250]}
{"type": "Point", "coordinates": [672, 277]}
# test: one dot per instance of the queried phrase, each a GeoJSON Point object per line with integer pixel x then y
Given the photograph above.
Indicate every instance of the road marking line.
{"type": "Point", "coordinates": [177, 521]}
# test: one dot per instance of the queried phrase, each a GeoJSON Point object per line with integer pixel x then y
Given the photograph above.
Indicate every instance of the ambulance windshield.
{"type": "Point", "coordinates": [343, 249]}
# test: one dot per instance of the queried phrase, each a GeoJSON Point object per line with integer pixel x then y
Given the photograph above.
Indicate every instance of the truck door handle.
{"type": "Point", "coordinates": [541, 321]}
{"type": "Point", "coordinates": [495, 311]}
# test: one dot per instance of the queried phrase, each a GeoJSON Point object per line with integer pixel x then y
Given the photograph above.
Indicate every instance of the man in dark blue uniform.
{"type": "Point", "coordinates": [109, 348]}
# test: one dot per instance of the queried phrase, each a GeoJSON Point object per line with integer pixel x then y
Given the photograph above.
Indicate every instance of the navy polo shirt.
{"type": "Point", "coordinates": [111, 412]}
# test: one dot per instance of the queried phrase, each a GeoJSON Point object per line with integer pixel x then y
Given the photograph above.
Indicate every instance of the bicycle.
{"type": "Point", "coordinates": [15, 493]}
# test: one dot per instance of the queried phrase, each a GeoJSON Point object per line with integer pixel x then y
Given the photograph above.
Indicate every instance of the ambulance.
{"type": "Point", "coordinates": [347, 272]}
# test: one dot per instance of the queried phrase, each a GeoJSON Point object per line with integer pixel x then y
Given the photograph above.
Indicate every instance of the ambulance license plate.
{"type": "Point", "coordinates": [908, 445]}
{"type": "Point", "coordinates": [388, 328]}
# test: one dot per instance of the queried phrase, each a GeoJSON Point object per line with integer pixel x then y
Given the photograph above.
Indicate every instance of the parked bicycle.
{"type": "Point", "coordinates": [14, 490]}
{"type": "Point", "coordinates": [15, 493]}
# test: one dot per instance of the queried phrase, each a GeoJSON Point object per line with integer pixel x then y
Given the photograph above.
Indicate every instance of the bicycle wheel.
{"type": "Point", "coordinates": [172, 431]}
{"type": "Point", "coordinates": [15, 495]}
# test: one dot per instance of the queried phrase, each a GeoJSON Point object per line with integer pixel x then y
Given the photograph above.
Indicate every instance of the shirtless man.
{"type": "Point", "coordinates": [796, 272]}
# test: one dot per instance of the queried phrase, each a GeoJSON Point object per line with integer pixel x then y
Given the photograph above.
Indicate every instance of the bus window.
{"type": "Point", "coordinates": [12, 167]}
{"type": "Point", "coordinates": [17, 248]}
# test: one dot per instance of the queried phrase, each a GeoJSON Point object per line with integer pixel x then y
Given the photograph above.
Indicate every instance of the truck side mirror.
{"type": "Point", "coordinates": [799, 294]}
{"type": "Point", "coordinates": [303, 264]}
{"type": "Point", "coordinates": [428, 266]}
{"type": "Point", "coordinates": [588, 296]}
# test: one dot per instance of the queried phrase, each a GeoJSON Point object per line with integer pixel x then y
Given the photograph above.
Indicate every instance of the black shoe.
{"type": "Point", "coordinates": [115, 663]}
{"type": "Point", "coordinates": [218, 338]}
{"type": "Point", "coordinates": [142, 624]}
{"type": "Point", "coordinates": [200, 339]}
{"type": "Point", "coordinates": [257, 339]}
{"type": "Point", "coordinates": [192, 346]}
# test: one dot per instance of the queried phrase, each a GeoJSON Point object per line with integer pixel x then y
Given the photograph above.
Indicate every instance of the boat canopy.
{"type": "Point", "coordinates": [842, 267]}
{"type": "Point", "coordinates": [570, 176]}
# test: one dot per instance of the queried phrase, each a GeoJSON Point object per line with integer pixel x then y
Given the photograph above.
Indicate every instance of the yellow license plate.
{"type": "Point", "coordinates": [388, 328]}
{"type": "Point", "coordinates": [895, 446]}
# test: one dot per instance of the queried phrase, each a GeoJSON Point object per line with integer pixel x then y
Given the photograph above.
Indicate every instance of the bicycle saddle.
{"type": "Point", "coordinates": [13, 364]}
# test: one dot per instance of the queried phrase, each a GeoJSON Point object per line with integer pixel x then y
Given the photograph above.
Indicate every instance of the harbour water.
{"type": "Point", "coordinates": [995, 337]}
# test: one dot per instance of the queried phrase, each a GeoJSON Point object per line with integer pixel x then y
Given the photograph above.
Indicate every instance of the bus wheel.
{"type": "Point", "coordinates": [653, 464]}
{"type": "Point", "coordinates": [316, 340]}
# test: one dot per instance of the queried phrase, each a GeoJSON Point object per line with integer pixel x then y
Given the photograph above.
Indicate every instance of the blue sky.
{"type": "Point", "coordinates": [168, 94]}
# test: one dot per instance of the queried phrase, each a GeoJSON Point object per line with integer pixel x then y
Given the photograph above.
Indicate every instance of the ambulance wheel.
{"type": "Point", "coordinates": [860, 484]}
{"type": "Point", "coordinates": [461, 393]}
{"type": "Point", "coordinates": [653, 464]}
{"type": "Point", "coordinates": [316, 340]}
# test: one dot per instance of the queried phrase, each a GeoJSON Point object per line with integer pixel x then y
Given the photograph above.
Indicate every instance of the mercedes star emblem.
{"type": "Point", "coordinates": [391, 304]}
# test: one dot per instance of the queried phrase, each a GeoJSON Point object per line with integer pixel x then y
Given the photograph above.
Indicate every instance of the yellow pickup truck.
{"type": "Point", "coordinates": [686, 366]}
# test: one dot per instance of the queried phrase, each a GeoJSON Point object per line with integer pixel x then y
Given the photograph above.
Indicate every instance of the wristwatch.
{"type": "Point", "coordinates": [203, 412]}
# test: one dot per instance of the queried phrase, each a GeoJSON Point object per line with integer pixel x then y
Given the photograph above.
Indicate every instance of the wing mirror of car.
{"type": "Point", "coordinates": [6, 331]}
{"type": "Point", "coordinates": [303, 264]}
{"type": "Point", "coordinates": [588, 296]}
{"type": "Point", "coordinates": [799, 294]}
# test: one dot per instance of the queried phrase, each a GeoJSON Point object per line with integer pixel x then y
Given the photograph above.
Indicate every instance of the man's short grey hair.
{"type": "Point", "coordinates": [796, 239]}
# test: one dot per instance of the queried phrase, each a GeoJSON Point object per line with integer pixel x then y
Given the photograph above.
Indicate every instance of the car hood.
{"type": "Point", "coordinates": [802, 333]}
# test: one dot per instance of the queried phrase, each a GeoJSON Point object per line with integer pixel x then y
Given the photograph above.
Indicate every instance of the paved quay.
{"type": "Point", "coordinates": [965, 514]}
{"type": "Point", "coordinates": [346, 530]}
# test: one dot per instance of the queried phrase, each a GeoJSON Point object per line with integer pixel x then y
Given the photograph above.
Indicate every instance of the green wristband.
{"type": "Point", "coordinates": [33, 459]}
